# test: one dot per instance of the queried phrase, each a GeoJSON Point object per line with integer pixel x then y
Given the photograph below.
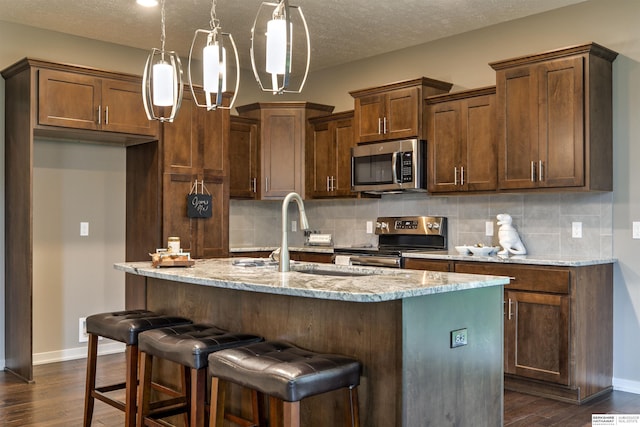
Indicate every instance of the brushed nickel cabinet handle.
{"type": "Point", "coordinates": [461, 175]}
{"type": "Point", "coordinates": [379, 126]}
{"type": "Point", "coordinates": [99, 114]}
{"type": "Point", "coordinates": [106, 115]}
{"type": "Point", "coordinates": [510, 313]}
{"type": "Point", "coordinates": [533, 171]}
{"type": "Point", "coordinates": [540, 168]}
{"type": "Point", "coordinates": [455, 175]}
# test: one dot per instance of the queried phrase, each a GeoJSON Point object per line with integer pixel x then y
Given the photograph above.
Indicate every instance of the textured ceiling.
{"type": "Point", "coordinates": [341, 31]}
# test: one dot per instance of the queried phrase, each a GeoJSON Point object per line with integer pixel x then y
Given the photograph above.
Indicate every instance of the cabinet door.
{"type": "Point", "coordinates": [369, 113]}
{"type": "Point", "coordinates": [212, 234]}
{"type": "Point", "coordinates": [213, 147]}
{"type": "Point", "coordinates": [517, 117]}
{"type": "Point", "coordinates": [181, 140]}
{"type": "Point", "coordinates": [344, 141]}
{"type": "Point", "coordinates": [401, 119]}
{"type": "Point", "coordinates": [281, 152]}
{"type": "Point", "coordinates": [69, 99]}
{"type": "Point", "coordinates": [479, 149]}
{"type": "Point", "coordinates": [561, 123]}
{"type": "Point", "coordinates": [123, 110]}
{"type": "Point", "coordinates": [444, 146]}
{"type": "Point", "coordinates": [537, 332]}
{"type": "Point", "coordinates": [175, 222]}
{"type": "Point", "coordinates": [243, 158]}
{"type": "Point", "coordinates": [321, 160]}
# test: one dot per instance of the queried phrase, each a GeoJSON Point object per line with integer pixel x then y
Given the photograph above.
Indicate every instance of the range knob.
{"type": "Point", "coordinates": [382, 225]}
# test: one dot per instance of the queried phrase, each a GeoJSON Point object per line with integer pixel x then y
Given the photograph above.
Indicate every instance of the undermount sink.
{"type": "Point", "coordinates": [339, 273]}
{"type": "Point", "coordinates": [331, 270]}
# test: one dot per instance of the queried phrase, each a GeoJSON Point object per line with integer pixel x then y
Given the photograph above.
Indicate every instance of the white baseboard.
{"type": "Point", "coordinates": [76, 353]}
{"type": "Point", "coordinates": [626, 385]}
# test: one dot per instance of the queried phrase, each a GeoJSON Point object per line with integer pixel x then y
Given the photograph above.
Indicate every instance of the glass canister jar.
{"type": "Point", "coordinates": [173, 244]}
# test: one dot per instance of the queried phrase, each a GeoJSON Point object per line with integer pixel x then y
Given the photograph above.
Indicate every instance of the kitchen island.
{"type": "Point", "coordinates": [398, 323]}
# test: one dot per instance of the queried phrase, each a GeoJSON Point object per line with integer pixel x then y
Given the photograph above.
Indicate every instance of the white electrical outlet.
{"type": "Point", "coordinates": [636, 229]}
{"type": "Point", "coordinates": [488, 228]}
{"type": "Point", "coordinates": [84, 228]}
{"type": "Point", "coordinates": [369, 227]}
{"type": "Point", "coordinates": [294, 225]}
{"type": "Point", "coordinates": [82, 330]}
{"type": "Point", "coordinates": [576, 230]}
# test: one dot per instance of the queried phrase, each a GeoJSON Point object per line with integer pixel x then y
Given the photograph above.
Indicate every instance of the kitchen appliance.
{"type": "Point", "coordinates": [391, 166]}
{"type": "Point", "coordinates": [395, 236]}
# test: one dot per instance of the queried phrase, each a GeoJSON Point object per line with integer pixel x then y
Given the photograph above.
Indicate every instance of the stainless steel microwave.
{"type": "Point", "coordinates": [391, 166]}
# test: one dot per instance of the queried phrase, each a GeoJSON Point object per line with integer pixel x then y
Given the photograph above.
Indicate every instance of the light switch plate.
{"type": "Point", "coordinates": [488, 228]}
{"type": "Point", "coordinates": [369, 227]}
{"type": "Point", "coordinates": [84, 228]}
{"type": "Point", "coordinates": [636, 229]}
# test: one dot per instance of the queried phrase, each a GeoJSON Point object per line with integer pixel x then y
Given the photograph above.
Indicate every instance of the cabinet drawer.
{"type": "Point", "coordinates": [525, 278]}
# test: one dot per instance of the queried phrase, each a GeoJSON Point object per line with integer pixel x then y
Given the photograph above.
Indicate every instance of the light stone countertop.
{"type": "Point", "coordinates": [514, 259]}
{"type": "Point", "coordinates": [551, 260]}
{"type": "Point", "coordinates": [383, 284]}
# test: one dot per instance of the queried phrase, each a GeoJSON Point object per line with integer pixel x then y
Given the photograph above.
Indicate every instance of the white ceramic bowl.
{"type": "Point", "coordinates": [484, 250]}
{"type": "Point", "coordinates": [463, 250]}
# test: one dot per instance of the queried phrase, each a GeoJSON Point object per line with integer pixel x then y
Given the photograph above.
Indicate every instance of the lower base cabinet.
{"type": "Point", "coordinates": [558, 326]}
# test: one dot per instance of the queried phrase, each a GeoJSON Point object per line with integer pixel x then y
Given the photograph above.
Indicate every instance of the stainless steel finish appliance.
{"type": "Point", "coordinates": [391, 166]}
{"type": "Point", "coordinates": [397, 235]}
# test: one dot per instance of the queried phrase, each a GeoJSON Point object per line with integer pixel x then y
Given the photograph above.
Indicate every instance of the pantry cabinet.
{"type": "Point", "coordinates": [195, 159]}
{"type": "Point", "coordinates": [328, 156]}
{"type": "Point", "coordinates": [284, 132]}
{"type": "Point", "coordinates": [393, 111]}
{"type": "Point", "coordinates": [554, 119]}
{"type": "Point", "coordinates": [244, 140]}
{"type": "Point", "coordinates": [84, 100]}
{"type": "Point", "coordinates": [462, 149]}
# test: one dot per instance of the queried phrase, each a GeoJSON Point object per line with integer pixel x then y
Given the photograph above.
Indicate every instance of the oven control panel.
{"type": "Point", "coordinates": [417, 225]}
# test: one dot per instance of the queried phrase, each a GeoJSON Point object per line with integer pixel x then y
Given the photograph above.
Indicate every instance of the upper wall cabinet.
{"type": "Point", "coordinates": [393, 111]}
{"type": "Point", "coordinates": [462, 152]}
{"type": "Point", "coordinates": [85, 101]}
{"type": "Point", "coordinates": [328, 156]}
{"type": "Point", "coordinates": [284, 131]}
{"type": "Point", "coordinates": [554, 116]}
{"type": "Point", "coordinates": [244, 141]}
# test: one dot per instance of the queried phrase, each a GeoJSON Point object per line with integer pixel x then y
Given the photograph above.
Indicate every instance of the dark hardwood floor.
{"type": "Point", "coordinates": [57, 399]}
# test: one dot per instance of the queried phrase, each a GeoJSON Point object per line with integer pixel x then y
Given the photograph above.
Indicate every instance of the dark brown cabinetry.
{"type": "Point", "coordinates": [328, 156]}
{"type": "Point", "coordinates": [244, 140]}
{"type": "Point", "coordinates": [393, 111]}
{"type": "Point", "coordinates": [195, 149]}
{"type": "Point", "coordinates": [462, 150]}
{"type": "Point", "coordinates": [284, 131]}
{"type": "Point", "coordinates": [554, 115]}
{"type": "Point", "coordinates": [558, 328]}
{"type": "Point", "coordinates": [86, 101]}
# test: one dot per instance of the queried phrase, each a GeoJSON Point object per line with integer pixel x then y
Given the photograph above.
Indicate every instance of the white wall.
{"type": "Point", "coordinates": [463, 61]}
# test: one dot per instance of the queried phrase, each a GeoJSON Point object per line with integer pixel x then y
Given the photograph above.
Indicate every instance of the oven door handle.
{"type": "Point", "coordinates": [375, 261]}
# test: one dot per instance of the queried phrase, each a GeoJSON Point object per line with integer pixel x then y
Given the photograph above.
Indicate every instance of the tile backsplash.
{"type": "Point", "coordinates": [543, 220]}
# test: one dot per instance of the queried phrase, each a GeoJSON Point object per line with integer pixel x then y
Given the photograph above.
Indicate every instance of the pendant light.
{"type": "Point", "coordinates": [277, 29]}
{"type": "Point", "coordinates": [162, 84]}
{"type": "Point", "coordinates": [218, 73]}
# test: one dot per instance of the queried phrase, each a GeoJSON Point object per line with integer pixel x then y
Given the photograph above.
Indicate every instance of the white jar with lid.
{"type": "Point", "coordinates": [173, 245]}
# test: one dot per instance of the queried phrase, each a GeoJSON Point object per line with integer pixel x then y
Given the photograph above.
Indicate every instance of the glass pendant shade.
{"type": "Point", "coordinates": [162, 85]}
{"type": "Point", "coordinates": [220, 68]}
{"type": "Point", "coordinates": [275, 52]}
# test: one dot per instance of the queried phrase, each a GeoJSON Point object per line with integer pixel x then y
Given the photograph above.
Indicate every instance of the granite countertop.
{"type": "Point", "coordinates": [514, 259]}
{"type": "Point", "coordinates": [261, 275]}
{"type": "Point", "coordinates": [561, 261]}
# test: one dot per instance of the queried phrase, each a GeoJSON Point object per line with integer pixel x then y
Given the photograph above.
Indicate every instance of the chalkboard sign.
{"type": "Point", "coordinates": [199, 205]}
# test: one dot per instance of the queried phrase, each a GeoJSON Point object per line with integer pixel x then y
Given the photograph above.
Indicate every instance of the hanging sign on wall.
{"type": "Point", "coordinates": [199, 205]}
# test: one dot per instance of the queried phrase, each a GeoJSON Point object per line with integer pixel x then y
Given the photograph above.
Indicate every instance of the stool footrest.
{"type": "Point", "coordinates": [110, 387]}
{"type": "Point", "coordinates": [108, 400]}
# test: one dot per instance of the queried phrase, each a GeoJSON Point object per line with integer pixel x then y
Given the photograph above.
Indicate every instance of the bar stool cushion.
{"type": "Point", "coordinates": [283, 370]}
{"type": "Point", "coordinates": [190, 345]}
{"type": "Point", "coordinates": [124, 326]}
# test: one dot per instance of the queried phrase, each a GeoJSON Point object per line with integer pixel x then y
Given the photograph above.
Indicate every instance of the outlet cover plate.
{"type": "Point", "coordinates": [576, 230]}
{"type": "Point", "coordinates": [458, 337]}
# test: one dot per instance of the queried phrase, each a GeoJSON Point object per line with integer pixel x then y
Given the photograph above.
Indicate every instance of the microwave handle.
{"type": "Point", "coordinates": [394, 167]}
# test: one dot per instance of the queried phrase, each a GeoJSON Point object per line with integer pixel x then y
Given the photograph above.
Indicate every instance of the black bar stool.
{"type": "Point", "coordinates": [122, 326]}
{"type": "Point", "coordinates": [283, 372]}
{"type": "Point", "coordinates": [188, 346]}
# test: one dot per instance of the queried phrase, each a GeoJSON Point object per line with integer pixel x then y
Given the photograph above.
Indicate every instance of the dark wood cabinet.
{"type": "Point", "coordinates": [244, 159]}
{"type": "Point", "coordinates": [195, 149]}
{"type": "Point", "coordinates": [427, 264]}
{"type": "Point", "coordinates": [554, 117]}
{"type": "Point", "coordinates": [393, 111]}
{"type": "Point", "coordinates": [284, 131]}
{"type": "Point", "coordinates": [558, 325]}
{"type": "Point", "coordinates": [328, 156]}
{"type": "Point", "coordinates": [461, 142]}
{"type": "Point", "coordinates": [86, 101]}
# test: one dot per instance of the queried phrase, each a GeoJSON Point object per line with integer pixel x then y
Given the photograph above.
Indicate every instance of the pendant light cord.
{"type": "Point", "coordinates": [163, 34]}
{"type": "Point", "coordinates": [213, 22]}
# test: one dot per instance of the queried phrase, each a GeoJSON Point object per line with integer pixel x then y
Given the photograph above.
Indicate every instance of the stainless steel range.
{"type": "Point", "coordinates": [397, 235]}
